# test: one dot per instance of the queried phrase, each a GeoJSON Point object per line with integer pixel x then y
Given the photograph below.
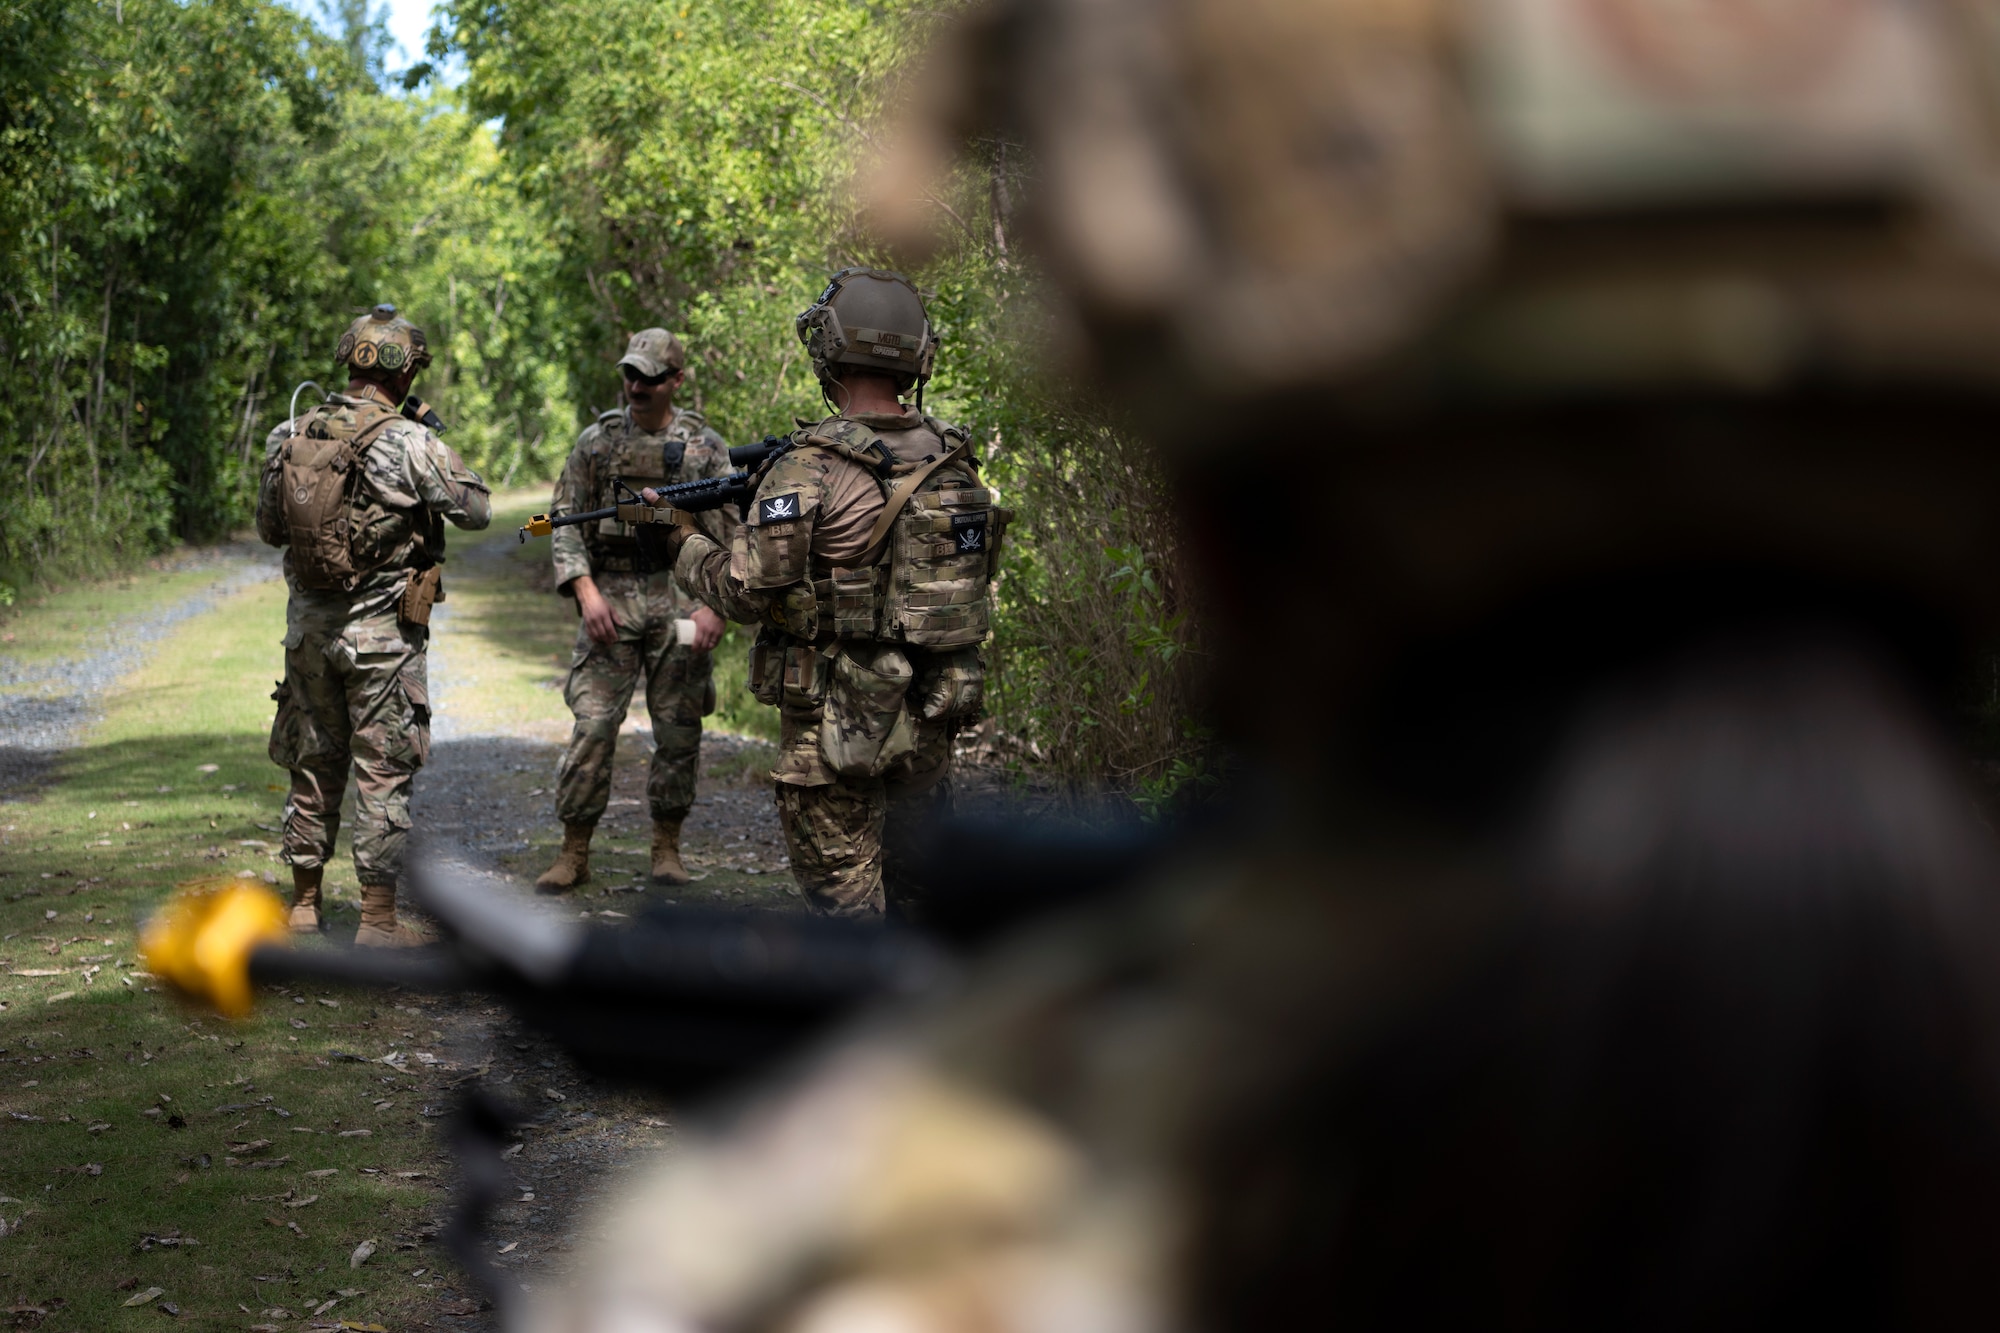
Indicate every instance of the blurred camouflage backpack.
{"type": "Point", "coordinates": [320, 468]}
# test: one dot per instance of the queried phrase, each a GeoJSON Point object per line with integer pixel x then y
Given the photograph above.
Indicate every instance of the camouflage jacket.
{"type": "Point", "coordinates": [814, 510]}
{"type": "Point", "coordinates": [407, 473]}
{"type": "Point", "coordinates": [587, 477]}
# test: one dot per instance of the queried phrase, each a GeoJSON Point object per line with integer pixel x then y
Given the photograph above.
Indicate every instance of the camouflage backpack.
{"type": "Point", "coordinates": [320, 466]}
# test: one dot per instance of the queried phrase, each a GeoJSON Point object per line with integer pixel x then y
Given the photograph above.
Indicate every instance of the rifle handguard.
{"type": "Point", "coordinates": [641, 514]}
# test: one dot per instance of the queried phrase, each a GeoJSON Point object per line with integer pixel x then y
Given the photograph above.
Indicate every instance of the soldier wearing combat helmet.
{"type": "Point", "coordinates": [865, 563]}
{"type": "Point", "coordinates": [1582, 412]}
{"type": "Point", "coordinates": [357, 490]}
{"type": "Point", "coordinates": [633, 619]}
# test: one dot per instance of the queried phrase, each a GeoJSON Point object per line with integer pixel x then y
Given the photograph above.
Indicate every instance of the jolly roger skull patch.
{"type": "Point", "coordinates": [778, 508]}
{"type": "Point", "coordinates": [968, 532]}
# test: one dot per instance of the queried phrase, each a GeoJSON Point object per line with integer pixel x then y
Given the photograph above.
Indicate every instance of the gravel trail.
{"type": "Point", "coordinates": [45, 707]}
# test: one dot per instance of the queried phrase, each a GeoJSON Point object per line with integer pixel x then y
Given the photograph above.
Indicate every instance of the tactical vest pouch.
{"type": "Point", "coordinates": [866, 726]}
{"type": "Point", "coordinates": [803, 683]}
{"type": "Point", "coordinates": [767, 669]}
{"type": "Point", "coordinates": [854, 598]}
{"type": "Point", "coordinates": [796, 611]}
{"type": "Point", "coordinates": [425, 590]}
{"type": "Point", "coordinates": [951, 687]}
{"type": "Point", "coordinates": [320, 471]}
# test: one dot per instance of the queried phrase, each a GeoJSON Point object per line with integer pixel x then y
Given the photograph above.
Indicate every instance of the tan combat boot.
{"type": "Point", "coordinates": [667, 867]}
{"type": "Point", "coordinates": [572, 865]}
{"type": "Point", "coordinates": [379, 927]}
{"type": "Point", "coordinates": [305, 899]}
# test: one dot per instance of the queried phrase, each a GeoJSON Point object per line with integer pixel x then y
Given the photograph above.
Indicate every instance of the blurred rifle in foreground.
{"type": "Point", "coordinates": [681, 1000]}
{"type": "Point", "coordinates": [687, 497]}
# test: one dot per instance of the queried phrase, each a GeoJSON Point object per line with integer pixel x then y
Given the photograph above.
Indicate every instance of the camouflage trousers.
{"type": "Point", "coordinates": [680, 691]}
{"type": "Point", "coordinates": [849, 838]}
{"type": "Point", "coordinates": [354, 695]}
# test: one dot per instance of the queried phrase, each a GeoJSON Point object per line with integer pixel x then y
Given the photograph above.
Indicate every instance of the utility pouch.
{"type": "Point", "coordinates": [767, 669]}
{"type": "Point", "coordinates": [424, 590]}
{"type": "Point", "coordinates": [866, 726]}
{"type": "Point", "coordinates": [952, 687]}
{"type": "Point", "coordinates": [803, 680]}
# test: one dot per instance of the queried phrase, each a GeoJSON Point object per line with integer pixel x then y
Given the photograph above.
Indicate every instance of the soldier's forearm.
{"type": "Point", "coordinates": [471, 508]}
{"type": "Point", "coordinates": [703, 571]}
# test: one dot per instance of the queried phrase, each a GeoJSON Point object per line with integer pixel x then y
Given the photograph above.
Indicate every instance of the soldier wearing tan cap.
{"type": "Point", "coordinates": [629, 609]}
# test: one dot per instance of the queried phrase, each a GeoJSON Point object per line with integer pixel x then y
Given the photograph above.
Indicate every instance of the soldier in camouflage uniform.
{"type": "Point", "coordinates": [865, 562]}
{"type": "Point", "coordinates": [1580, 413]}
{"type": "Point", "coordinates": [357, 493]}
{"type": "Point", "coordinates": [629, 609]}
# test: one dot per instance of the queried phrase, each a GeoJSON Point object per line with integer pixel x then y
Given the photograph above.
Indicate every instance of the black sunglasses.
{"type": "Point", "coordinates": [650, 381]}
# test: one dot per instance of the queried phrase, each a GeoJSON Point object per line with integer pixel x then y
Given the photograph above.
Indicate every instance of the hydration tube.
{"type": "Point", "coordinates": [292, 414]}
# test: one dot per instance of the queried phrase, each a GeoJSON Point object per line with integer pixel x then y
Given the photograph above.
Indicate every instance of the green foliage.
{"type": "Point", "coordinates": [195, 196]}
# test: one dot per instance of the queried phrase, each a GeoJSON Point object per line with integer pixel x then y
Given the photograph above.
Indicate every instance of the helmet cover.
{"type": "Point", "coordinates": [871, 318]}
{"type": "Point", "coordinates": [385, 340]}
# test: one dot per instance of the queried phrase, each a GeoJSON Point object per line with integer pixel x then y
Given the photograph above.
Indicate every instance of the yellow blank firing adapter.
{"type": "Point", "coordinates": [538, 526]}
{"type": "Point", "coordinates": [201, 940]}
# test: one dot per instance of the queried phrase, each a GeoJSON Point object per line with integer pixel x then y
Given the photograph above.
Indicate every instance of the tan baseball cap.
{"type": "Point", "coordinates": [654, 352]}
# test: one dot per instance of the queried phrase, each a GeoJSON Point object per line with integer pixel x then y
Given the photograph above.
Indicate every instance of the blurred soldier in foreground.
{"type": "Point", "coordinates": [357, 492]}
{"type": "Point", "coordinates": [1603, 400]}
{"type": "Point", "coordinates": [865, 563]}
{"type": "Point", "coordinates": [631, 611]}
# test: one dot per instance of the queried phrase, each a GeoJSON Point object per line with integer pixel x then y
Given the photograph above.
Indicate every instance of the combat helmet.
{"type": "Point", "coordinates": [871, 318]}
{"type": "Point", "coordinates": [383, 339]}
{"type": "Point", "coordinates": [1522, 195]}
{"type": "Point", "coordinates": [1525, 289]}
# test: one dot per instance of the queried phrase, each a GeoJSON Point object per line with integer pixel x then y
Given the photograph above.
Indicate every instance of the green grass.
{"type": "Point", "coordinates": [74, 618]}
{"type": "Point", "coordinates": [87, 1054]}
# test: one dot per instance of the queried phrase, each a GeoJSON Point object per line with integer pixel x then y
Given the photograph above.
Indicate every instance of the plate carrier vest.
{"type": "Point", "coordinates": [619, 548]}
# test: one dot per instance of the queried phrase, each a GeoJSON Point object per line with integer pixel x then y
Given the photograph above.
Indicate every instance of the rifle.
{"type": "Point", "coordinates": [680, 499]}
